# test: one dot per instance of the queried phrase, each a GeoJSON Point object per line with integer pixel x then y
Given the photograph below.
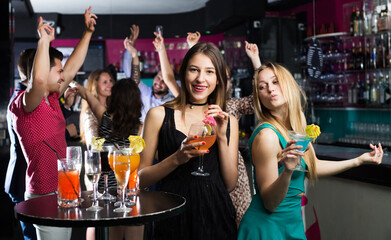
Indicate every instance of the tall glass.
{"type": "Point", "coordinates": [122, 171]}
{"type": "Point", "coordinates": [93, 171]}
{"type": "Point", "coordinates": [74, 154]}
{"type": "Point", "coordinates": [302, 140]}
{"type": "Point", "coordinates": [133, 187]}
{"type": "Point", "coordinates": [204, 135]}
{"type": "Point", "coordinates": [68, 183]}
{"type": "Point", "coordinates": [104, 155]}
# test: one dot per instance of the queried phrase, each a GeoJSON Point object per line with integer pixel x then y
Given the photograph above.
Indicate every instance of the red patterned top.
{"type": "Point", "coordinates": [44, 123]}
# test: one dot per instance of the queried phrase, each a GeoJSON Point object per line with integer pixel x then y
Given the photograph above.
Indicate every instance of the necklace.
{"type": "Point", "coordinates": [197, 104]}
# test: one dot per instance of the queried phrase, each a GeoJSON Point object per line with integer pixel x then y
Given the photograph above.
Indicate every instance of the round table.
{"type": "Point", "coordinates": [150, 206]}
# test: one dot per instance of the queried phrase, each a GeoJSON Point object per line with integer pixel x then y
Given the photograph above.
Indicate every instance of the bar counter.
{"type": "Point", "coordinates": [376, 174]}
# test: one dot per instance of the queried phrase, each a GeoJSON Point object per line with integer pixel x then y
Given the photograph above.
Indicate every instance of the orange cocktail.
{"type": "Point", "coordinates": [209, 141]}
{"type": "Point", "coordinates": [68, 186]}
{"type": "Point", "coordinates": [134, 163]}
{"type": "Point", "coordinates": [122, 169]}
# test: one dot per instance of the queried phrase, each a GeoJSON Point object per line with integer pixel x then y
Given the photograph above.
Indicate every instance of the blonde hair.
{"type": "Point", "coordinates": [92, 86]}
{"type": "Point", "coordinates": [295, 103]}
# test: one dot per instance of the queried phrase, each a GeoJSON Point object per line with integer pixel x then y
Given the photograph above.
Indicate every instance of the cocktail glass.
{"type": "Point", "coordinates": [106, 168]}
{"type": "Point", "coordinates": [122, 167]}
{"type": "Point", "coordinates": [302, 140]}
{"type": "Point", "coordinates": [204, 135]}
{"type": "Point", "coordinates": [93, 171]}
{"type": "Point", "coordinates": [68, 183]}
{"type": "Point", "coordinates": [133, 187]}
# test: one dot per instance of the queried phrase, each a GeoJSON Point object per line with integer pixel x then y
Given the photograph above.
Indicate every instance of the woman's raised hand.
{"type": "Point", "coordinates": [220, 117]}
{"type": "Point", "coordinates": [290, 155]}
{"type": "Point", "coordinates": [193, 38]}
{"type": "Point", "coordinates": [89, 20]}
{"type": "Point", "coordinates": [158, 43]}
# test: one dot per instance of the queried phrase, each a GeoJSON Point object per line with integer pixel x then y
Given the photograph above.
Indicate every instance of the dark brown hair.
{"type": "Point", "coordinates": [124, 105]}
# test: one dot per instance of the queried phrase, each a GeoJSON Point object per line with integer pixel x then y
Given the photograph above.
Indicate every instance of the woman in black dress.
{"type": "Point", "coordinates": [209, 212]}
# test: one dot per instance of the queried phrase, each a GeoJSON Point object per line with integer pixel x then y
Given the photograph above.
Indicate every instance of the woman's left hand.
{"type": "Point", "coordinates": [374, 157]}
{"type": "Point", "coordinates": [220, 117]}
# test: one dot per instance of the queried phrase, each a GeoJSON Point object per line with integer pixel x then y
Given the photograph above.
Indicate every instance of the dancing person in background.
{"type": "Point", "coordinates": [237, 107]}
{"type": "Point", "coordinates": [37, 115]}
{"type": "Point", "coordinates": [275, 210]}
{"type": "Point", "coordinates": [153, 96]}
{"type": "Point", "coordinates": [99, 83]}
{"type": "Point", "coordinates": [209, 213]}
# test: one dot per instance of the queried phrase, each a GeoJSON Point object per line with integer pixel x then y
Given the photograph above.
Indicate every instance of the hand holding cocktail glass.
{"type": "Point", "coordinates": [303, 138]}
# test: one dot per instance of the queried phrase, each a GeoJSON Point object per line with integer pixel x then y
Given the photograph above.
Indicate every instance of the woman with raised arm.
{"type": "Point", "coordinates": [237, 107]}
{"type": "Point", "coordinates": [275, 211]}
{"type": "Point", "coordinates": [209, 213]}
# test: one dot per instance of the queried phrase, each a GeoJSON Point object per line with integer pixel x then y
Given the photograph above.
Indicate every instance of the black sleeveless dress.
{"type": "Point", "coordinates": [209, 212]}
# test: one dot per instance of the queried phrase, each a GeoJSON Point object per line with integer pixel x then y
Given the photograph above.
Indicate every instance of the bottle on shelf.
{"type": "Point", "coordinates": [366, 91]}
{"type": "Point", "coordinates": [374, 56]}
{"type": "Point", "coordinates": [350, 93]}
{"type": "Point", "coordinates": [387, 90]}
{"type": "Point", "coordinates": [367, 18]}
{"type": "Point", "coordinates": [359, 58]}
{"type": "Point", "coordinates": [374, 91]}
{"type": "Point", "coordinates": [358, 23]}
{"type": "Point", "coordinates": [375, 19]}
{"type": "Point", "coordinates": [356, 91]}
{"type": "Point", "coordinates": [352, 58]}
{"type": "Point", "coordinates": [368, 62]}
{"type": "Point", "coordinates": [141, 60]}
{"type": "Point", "coordinates": [382, 89]}
{"type": "Point", "coordinates": [352, 18]}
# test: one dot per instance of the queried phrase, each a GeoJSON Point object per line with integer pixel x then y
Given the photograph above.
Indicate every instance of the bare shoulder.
{"type": "Point", "coordinates": [266, 143]}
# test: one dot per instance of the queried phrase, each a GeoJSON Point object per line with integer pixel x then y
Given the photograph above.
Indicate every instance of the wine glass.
{"type": "Point", "coordinates": [106, 168]}
{"type": "Point", "coordinates": [302, 140]}
{"type": "Point", "coordinates": [205, 133]}
{"type": "Point", "coordinates": [93, 170]}
{"type": "Point", "coordinates": [122, 172]}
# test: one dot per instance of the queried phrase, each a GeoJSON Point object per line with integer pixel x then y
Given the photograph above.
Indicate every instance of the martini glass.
{"type": "Point", "coordinates": [302, 140]}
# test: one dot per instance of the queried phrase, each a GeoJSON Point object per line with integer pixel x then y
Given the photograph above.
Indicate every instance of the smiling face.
{"type": "Point", "coordinates": [105, 83]}
{"type": "Point", "coordinates": [201, 78]}
{"type": "Point", "coordinates": [56, 77]}
{"type": "Point", "coordinates": [159, 87]}
{"type": "Point", "coordinates": [269, 90]}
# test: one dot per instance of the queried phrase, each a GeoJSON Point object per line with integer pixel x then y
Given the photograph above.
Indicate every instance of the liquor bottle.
{"type": "Point", "coordinates": [375, 18]}
{"type": "Point", "coordinates": [374, 56]}
{"type": "Point", "coordinates": [352, 58]}
{"type": "Point", "coordinates": [380, 53]}
{"type": "Point", "coordinates": [387, 90]}
{"type": "Point", "coordinates": [352, 18]}
{"type": "Point", "coordinates": [358, 25]}
{"type": "Point", "coordinates": [350, 93]}
{"type": "Point", "coordinates": [359, 58]}
{"type": "Point", "coordinates": [383, 20]}
{"type": "Point", "coordinates": [356, 91]}
{"type": "Point", "coordinates": [368, 62]}
{"type": "Point", "coordinates": [374, 91]}
{"type": "Point", "coordinates": [367, 16]}
{"type": "Point", "coordinates": [146, 63]}
{"type": "Point", "coordinates": [382, 88]}
{"type": "Point", "coordinates": [366, 91]}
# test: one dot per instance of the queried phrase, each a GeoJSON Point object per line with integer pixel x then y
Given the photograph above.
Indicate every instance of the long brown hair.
{"type": "Point", "coordinates": [295, 103]}
{"type": "Point", "coordinates": [124, 105]}
{"type": "Point", "coordinates": [92, 86]}
{"type": "Point", "coordinates": [219, 95]}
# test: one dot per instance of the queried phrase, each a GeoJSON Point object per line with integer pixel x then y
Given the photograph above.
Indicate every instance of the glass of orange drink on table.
{"type": "Point", "coordinates": [122, 167]}
{"type": "Point", "coordinates": [68, 183]}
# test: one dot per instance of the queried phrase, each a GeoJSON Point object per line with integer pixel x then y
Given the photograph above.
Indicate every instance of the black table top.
{"type": "Point", "coordinates": [150, 206]}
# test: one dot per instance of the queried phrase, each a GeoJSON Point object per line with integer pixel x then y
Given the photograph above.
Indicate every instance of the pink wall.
{"type": "Point", "coordinates": [115, 47]}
